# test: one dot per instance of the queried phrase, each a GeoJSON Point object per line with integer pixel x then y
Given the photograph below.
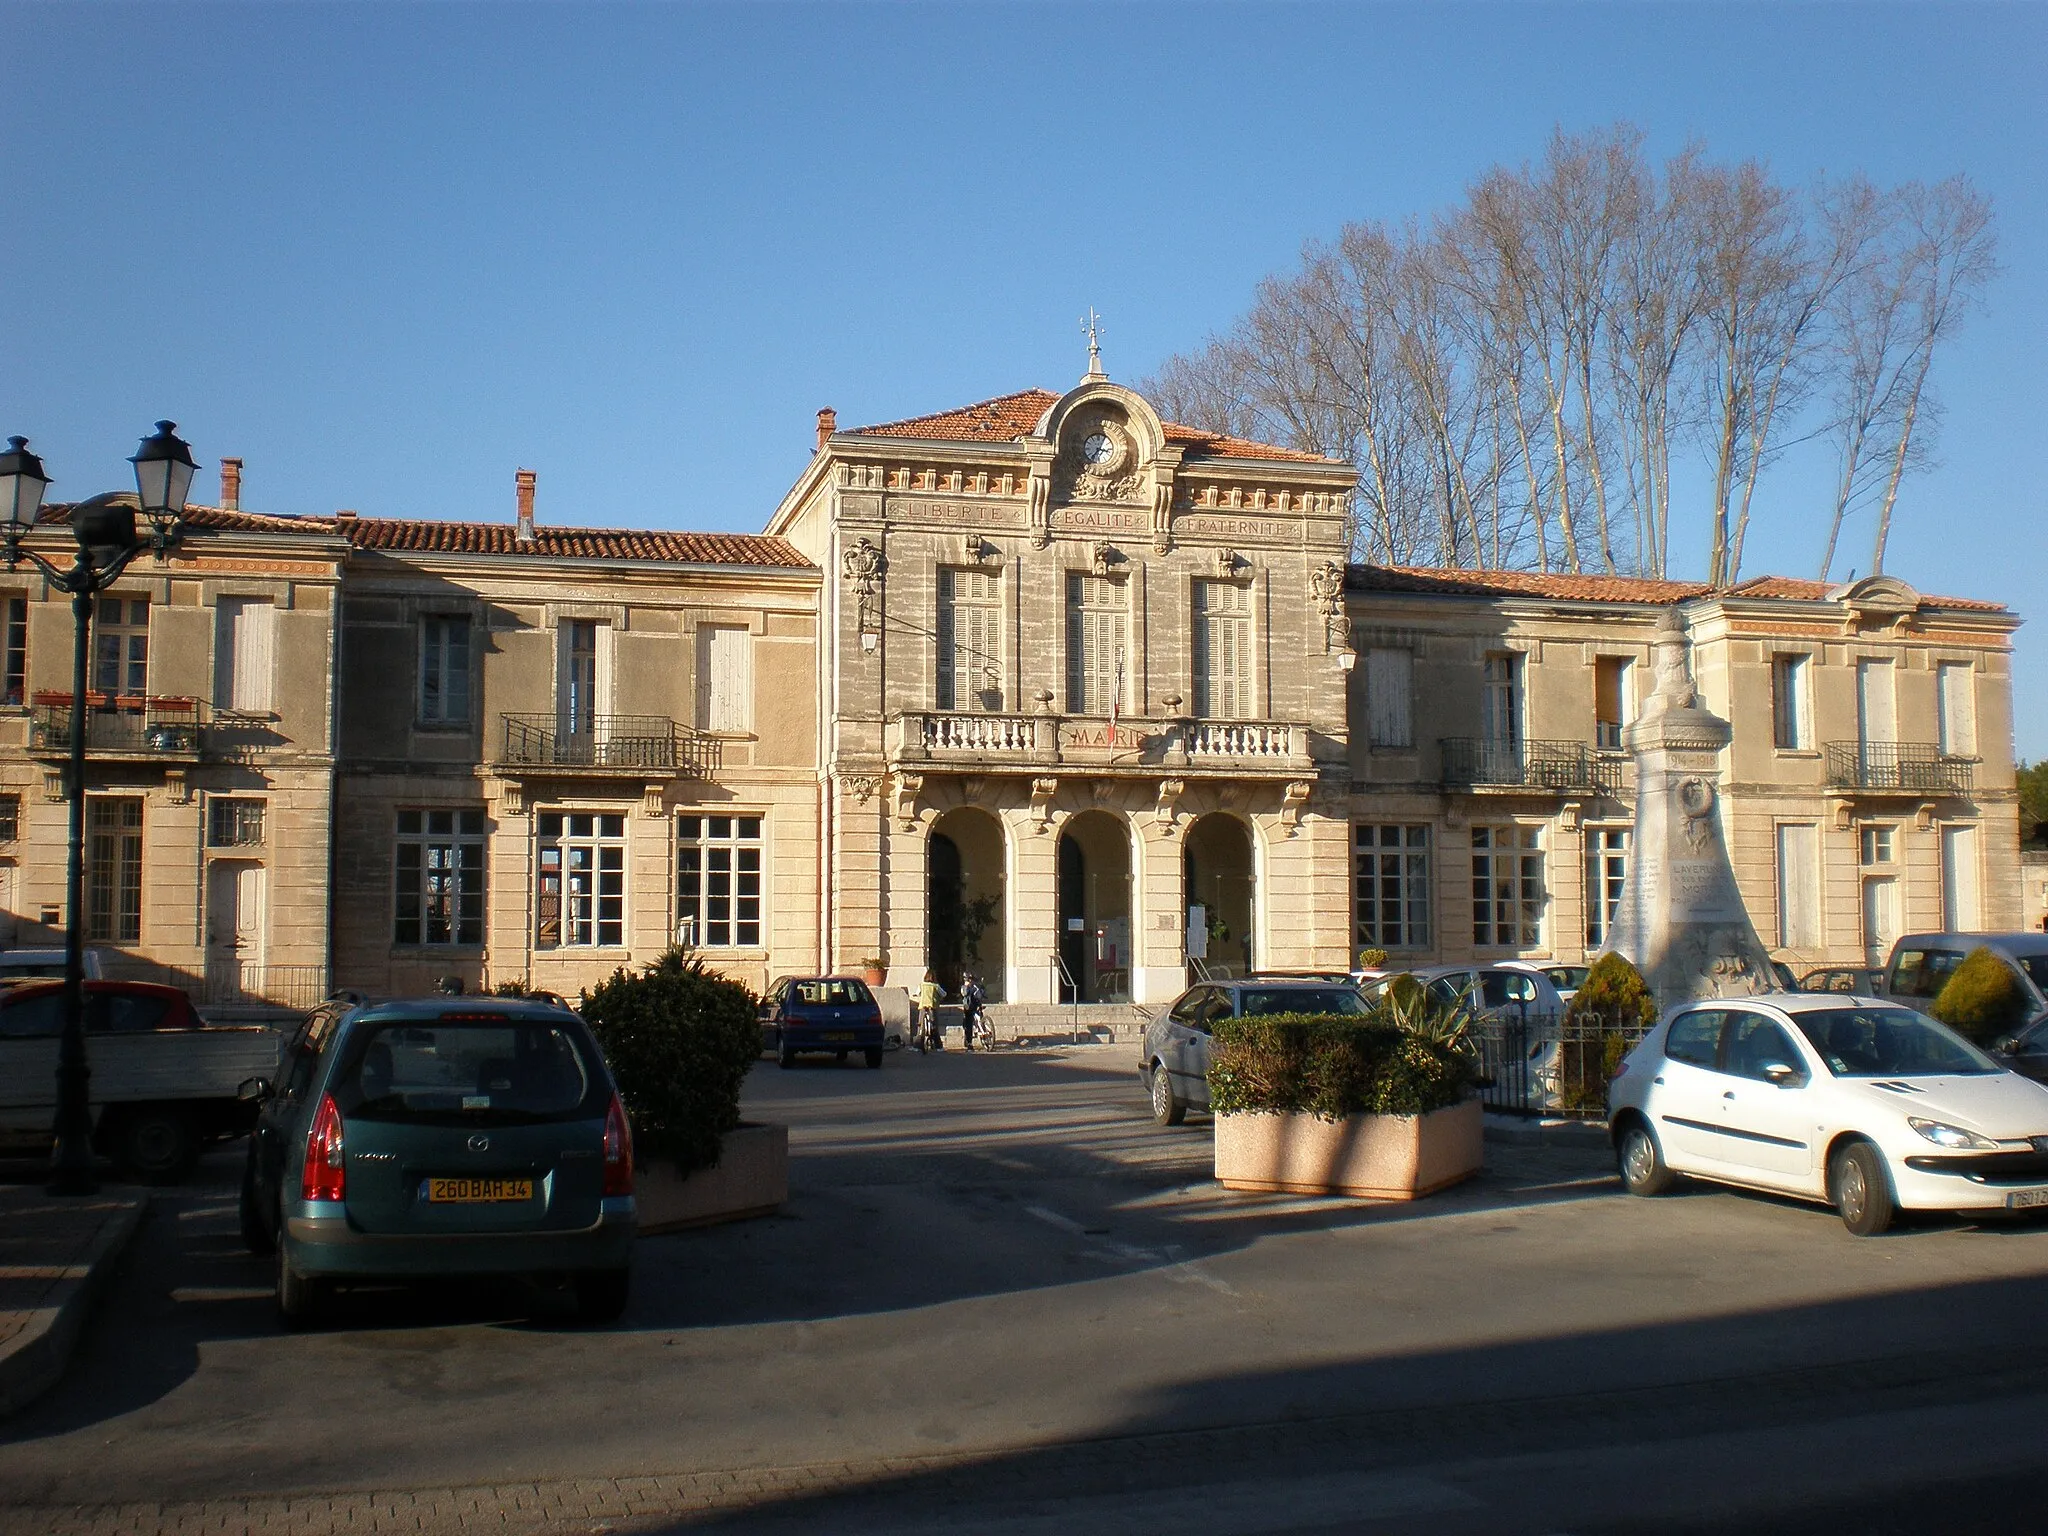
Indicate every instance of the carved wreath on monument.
{"type": "Point", "coordinates": [1696, 804]}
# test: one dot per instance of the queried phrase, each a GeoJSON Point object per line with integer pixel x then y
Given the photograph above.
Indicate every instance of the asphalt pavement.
{"type": "Point", "coordinates": [1001, 1300]}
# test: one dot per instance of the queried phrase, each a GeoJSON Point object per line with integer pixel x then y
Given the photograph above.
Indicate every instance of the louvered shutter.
{"type": "Point", "coordinates": [948, 679]}
{"type": "Point", "coordinates": [1389, 704]}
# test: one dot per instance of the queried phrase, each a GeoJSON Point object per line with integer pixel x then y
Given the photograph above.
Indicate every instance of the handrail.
{"type": "Point", "coordinates": [1061, 973]}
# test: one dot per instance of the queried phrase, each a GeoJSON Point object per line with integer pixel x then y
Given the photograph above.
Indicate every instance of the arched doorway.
{"type": "Point", "coordinates": [1220, 875]}
{"type": "Point", "coordinates": [966, 916]}
{"type": "Point", "coordinates": [1095, 909]}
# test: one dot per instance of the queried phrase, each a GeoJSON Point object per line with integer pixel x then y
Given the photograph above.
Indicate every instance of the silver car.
{"type": "Point", "coordinates": [1175, 1061]}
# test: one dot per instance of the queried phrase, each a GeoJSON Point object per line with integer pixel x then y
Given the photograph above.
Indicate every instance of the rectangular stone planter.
{"type": "Point", "coordinates": [751, 1179]}
{"type": "Point", "coordinates": [1385, 1157]}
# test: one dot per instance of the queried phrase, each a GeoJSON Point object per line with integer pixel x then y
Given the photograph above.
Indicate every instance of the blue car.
{"type": "Point", "coordinates": [822, 1013]}
{"type": "Point", "coordinates": [447, 1137]}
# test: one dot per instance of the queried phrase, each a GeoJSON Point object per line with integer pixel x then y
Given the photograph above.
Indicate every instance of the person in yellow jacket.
{"type": "Point", "coordinates": [926, 1015]}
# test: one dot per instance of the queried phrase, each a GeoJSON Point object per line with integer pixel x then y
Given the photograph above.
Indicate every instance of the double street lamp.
{"type": "Point", "coordinates": [107, 542]}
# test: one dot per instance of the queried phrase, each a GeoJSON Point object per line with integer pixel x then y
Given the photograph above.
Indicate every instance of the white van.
{"type": "Point", "coordinates": [1922, 962]}
{"type": "Point", "coordinates": [43, 965]}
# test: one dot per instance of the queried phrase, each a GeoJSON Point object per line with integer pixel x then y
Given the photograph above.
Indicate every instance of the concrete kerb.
{"type": "Point", "coordinates": [1529, 1131]}
{"type": "Point", "coordinates": [33, 1360]}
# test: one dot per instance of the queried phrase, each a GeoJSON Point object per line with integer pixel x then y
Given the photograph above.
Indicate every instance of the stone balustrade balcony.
{"type": "Point", "coordinates": [1023, 743]}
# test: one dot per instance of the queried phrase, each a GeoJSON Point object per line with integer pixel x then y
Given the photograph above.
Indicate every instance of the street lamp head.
{"type": "Point", "coordinates": [163, 476]}
{"type": "Point", "coordinates": [21, 488]}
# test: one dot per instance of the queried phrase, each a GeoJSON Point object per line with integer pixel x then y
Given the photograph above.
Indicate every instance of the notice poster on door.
{"type": "Point", "coordinates": [1198, 931]}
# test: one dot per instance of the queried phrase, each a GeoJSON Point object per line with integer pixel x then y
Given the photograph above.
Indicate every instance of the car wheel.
{"type": "Point", "coordinates": [156, 1143]}
{"type": "Point", "coordinates": [1168, 1108]}
{"type": "Point", "coordinates": [256, 1237]}
{"type": "Point", "coordinates": [874, 1055]}
{"type": "Point", "coordinates": [1862, 1189]}
{"type": "Point", "coordinates": [301, 1301]}
{"type": "Point", "coordinates": [788, 1058]}
{"type": "Point", "coordinates": [1641, 1161]}
{"type": "Point", "coordinates": [601, 1294]}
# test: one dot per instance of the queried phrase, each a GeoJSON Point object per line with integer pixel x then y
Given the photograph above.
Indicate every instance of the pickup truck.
{"type": "Point", "coordinates": [163, 1080]}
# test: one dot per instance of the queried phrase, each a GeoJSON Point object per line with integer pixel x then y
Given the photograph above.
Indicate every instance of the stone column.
{"type": "Point", "coordinates": [1681, 920]}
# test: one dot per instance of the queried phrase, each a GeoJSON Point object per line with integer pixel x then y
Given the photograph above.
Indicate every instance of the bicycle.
{"type": "Point", "coordinates": [981, 1032]}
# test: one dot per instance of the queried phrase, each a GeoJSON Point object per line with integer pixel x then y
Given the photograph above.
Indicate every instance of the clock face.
{"type": "Point", "coordinates": [1097, 448]}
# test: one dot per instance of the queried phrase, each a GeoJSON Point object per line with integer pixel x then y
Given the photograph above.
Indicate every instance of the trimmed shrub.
{"type": "Point", "coordinates": [1981, 999]}
{"type": "Point", "coordinates": [1372, 959]}
{"type": "Point", "coordinates": [1331, 1066]}
{"type": "Point", "coordinates": [681, 1040]}
{"type": "Point", "coordinates": [1613, 998]}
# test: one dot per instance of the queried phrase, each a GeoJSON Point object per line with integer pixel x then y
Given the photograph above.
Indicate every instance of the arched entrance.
{"type": "Point", "coordinates": [1095, 909]}
{"type": "Point", "coordinates": [966, 916]}
{"type": "Point", "coordinates": [1219, 874]}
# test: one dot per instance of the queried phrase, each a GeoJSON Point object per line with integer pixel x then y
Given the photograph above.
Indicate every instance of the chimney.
{"type": "Point", "coordinates": [828, 423]}
{"type": "Point", "coordinates": [525, 478]}
{"type": "Point", "coordinates": [345, 515]}
{"type": "Point", "coordinates": [231, 485]}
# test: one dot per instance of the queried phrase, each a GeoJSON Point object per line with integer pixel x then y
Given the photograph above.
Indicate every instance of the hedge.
{"type": "Point", "coordinates": [680, 1040]}
{"type": "Point", "coordinates": [1331, 1066]}
{"type": "Point", "coordinates": [1981, 999]}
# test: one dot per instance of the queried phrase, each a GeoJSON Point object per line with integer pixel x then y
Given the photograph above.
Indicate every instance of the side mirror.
{"type": "Point", "coordinates": [253, 1090]}
{"type": "Point", "coordinates": [1781, 1074]}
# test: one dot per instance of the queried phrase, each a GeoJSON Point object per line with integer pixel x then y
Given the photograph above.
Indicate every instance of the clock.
{"type": "Point", "coordinates": [1097, 448]}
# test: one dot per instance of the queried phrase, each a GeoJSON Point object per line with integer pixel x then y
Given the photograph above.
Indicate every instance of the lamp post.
{"type": "Point", "coordinates": [107, 542]}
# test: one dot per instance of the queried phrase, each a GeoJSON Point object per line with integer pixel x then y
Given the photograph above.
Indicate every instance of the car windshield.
{"type": "Point", "coordinates": [835, 992]}
{"type": "Point", "coordinates": [1567, 978]}
{"type": "Point", "coordinates": [1302, 1000]}
{"type": "Point", "coordinates": [464, 1071]}
{"type": "Point", "coordinates": [1890, 1042]}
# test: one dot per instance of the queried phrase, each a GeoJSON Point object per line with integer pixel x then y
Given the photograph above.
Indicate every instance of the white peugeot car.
{"type": "Point", "coordinates": [1854, 1101]}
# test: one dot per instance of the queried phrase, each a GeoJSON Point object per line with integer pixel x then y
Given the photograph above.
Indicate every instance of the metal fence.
{"type": "Point", "coordinates": [1565, 766]}
{"type": "Point", "coordinates": [1550, 1064]}
{"type": "Point", "coordinates": [229, 984]}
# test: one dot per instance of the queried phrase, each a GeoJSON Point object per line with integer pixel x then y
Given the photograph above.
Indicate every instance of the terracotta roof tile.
{"type": "Point", "coordinates": [1452, 582]}
{"type": "Point", "coordinates": [1005, 418]}
{"type": "Point", "coordinates": [434, 536]}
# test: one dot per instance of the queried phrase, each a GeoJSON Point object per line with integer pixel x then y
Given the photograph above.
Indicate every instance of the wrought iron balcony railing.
{"type": "Point", "coordinates": [1565, 767]}
{"type": "Point", "coordinates": [1898, 767]}
{"type": "Point", "coordinates": [614, 743]}
{"type": "Point", "coordinates": [122, 724]}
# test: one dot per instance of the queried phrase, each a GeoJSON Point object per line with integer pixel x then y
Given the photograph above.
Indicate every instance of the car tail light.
{"type": "Point", "coordinates": [324, 1178]}
{"type": "Point", "coordinates": [618, 1150]}
{"type": "Point", "coordinates": [1620, 1070]}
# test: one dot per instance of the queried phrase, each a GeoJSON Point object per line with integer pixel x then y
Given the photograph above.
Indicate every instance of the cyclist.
{"type": "Point", "coordinates": [971, 999]}
{"type": "Point", "coordinates": [924, 1014]}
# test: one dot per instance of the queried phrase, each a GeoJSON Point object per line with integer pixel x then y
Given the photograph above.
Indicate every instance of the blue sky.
{"type": "Point", "coordinates": [388, 253]}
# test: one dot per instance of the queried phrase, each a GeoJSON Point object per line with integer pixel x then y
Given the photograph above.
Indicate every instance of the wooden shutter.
{"type": "Point", "coordinates": [1389, 702]}
{"type": "Point", "coordinates": [731, 680]}
{"type": "Point", "coordinates": [1957, 706]}
{"type": "Point", "coordinates": [948, 693]}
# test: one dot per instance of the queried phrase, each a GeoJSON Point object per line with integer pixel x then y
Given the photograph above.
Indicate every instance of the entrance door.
{"type": "Point", "coordinates": [234, 927]}
{"type": "Point", "coordinates": [1880, 917]}
{"type": "Point", "coordinates": [1959, 879]}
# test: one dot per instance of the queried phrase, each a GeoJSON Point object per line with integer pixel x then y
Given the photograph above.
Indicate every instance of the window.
{"type": "Point", "coordinates": [243, 653]}
{"type": "Point", "coordinates": [718, 881]}
{"type": "Point", "coordinates": [233, 822]}
{"type": "Point", "coordinates": [1790, 731]}
{"type": "Point", "coordinates": [120, 645]}
{"type": "Point", "coordinates": [444, 670]}
{"type": "Point", "coordinates": [1095, 643]}
{"type": "Point", "coordinates": [582, 896]}
{"type": "Point", "coordinates": [1606, 871]}
{"type": "Point", "coordinates": [1390, 698]}
{"type": "Point", "coordinates": [1223, 644]}
{"type": "Point", "coordinates": [970, 639]}
{"type": "Point", "coordinates": [1507, 887]}
{"type": "Point", "coordinates": [1391, 879]}
{"type": "Point", "coordinates": [576, 687]}
{"type": "Point", "coordinates": [1501, 716]}
{"type": "Point", "coordinates": [17, 651]}
{"type": "Point", "coordinates": [1695, 1038]}
{"type": "Point", "coordinates": [440, 897]}
{"type": "Point", "coordinates": [1613, 696]}
{"type": "Point", "coordinates": [725, 679]}
{"type": "Point", "coordinates": [113, 863]}
{"type": "Point", "coordinates": [1877, 844]}
{"type": "Point", "coordinates": [1755, 1042]}
{"type": "Point", "coordinates": [1923, 972]}
{"type": "Point", "coordinates": [1799, 886]}
{"type": "Point", "coordinates": [1957, 708]}
{"type": "Point", "coordinates": [10, 818]}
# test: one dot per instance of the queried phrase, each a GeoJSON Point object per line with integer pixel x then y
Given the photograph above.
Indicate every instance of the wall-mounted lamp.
{"type": "Point", "coordinates": [1347, 658]}
{"type": "Point", "coordinates": [870, 641]}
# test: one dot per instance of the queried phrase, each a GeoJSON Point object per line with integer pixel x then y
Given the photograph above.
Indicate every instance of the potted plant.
{"type": "Point", "coordinates": [681, 1039]}
{"type": "Point", "coordinates": [1330, 1104]}
{"type": "Point", "coordinates": [873, 970]}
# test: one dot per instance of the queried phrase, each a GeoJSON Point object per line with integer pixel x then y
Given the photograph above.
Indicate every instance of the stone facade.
{"type": "Point", "coordinates": [1045, 688]}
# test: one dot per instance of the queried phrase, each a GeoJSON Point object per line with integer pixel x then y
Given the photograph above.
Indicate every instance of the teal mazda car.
{"type": "Point", "coordinates": [451, 1137]}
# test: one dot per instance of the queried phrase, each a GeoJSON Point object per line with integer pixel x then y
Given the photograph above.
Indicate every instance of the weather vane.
{"type": "Point", "coordinates": [1093, 327]}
